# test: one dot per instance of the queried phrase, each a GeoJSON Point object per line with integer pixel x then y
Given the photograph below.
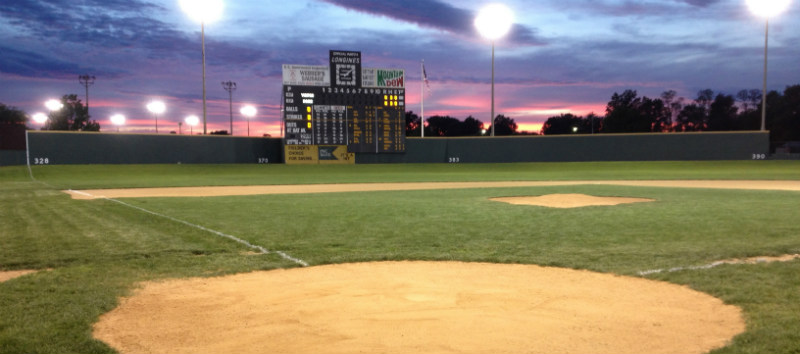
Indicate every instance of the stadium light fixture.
{"type": "Point", "coordinates": [118, 119]}
{"type": "Point", "coordinates": [203, 11]}
{"type": "Point", "coordinates": [249, 112]}
{"type": "Point", "coordinates": [156, 107]}
{"type": "Point", "coordinates": [39, 118]}
{"type": "Point", "coordinates": [192, 120]}
{"type": "Point", "coordinates": [53, 105]}
{"type": "Point", "coordinates": [493, 22]}
{"type": "Point", "coordinates": [766, 9]}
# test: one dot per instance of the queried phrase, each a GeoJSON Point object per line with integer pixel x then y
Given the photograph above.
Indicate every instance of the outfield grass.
{"type": "Point", "coordinates": [98, 250]}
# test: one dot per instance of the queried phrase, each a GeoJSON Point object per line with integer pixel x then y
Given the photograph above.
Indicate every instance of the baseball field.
{"type": "Point", "coordinates": [670, 257]}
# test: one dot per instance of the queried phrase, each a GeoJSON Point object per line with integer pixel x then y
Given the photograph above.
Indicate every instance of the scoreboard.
{"type": "Point", "coordinates": [345, 105]}
{"type": "Point", "coordinates": [366, 120]}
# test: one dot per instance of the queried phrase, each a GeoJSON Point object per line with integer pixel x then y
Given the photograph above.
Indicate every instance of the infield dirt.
{"type": "Point", "coordinates": [213, 191]}
{"type": "Point", "coordinates": [418, 307]}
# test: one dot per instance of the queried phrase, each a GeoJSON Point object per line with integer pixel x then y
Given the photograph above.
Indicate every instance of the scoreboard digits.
{"type": "Point", "coordinates": [363, 110]}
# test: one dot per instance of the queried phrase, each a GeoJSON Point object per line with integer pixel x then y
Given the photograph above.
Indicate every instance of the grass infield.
{"type": "Point", "coordinates": [96, 251]}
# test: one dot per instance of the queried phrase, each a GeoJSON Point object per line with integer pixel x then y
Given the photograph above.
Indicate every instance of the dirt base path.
{"type": "Point", "coordinates": [214, 191]}
{"type": "Point", "coordinates": [11, 274]}
{"type": "Point", "coordinates": [419, 307]}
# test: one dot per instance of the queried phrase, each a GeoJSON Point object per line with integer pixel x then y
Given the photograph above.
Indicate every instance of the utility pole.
{"type": "Point", "coordinates": [230, 86]}
{"type": "Point", "coordinates": [86, 81]}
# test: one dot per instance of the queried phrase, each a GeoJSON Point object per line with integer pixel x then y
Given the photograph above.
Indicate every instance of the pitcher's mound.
{"type": "Point", "coordinates": [418, 307]}
{"type": "Point", "coordinates": [569, 200]}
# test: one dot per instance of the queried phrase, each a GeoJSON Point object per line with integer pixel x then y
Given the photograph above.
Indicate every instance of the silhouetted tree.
{"type": "Point", "coordinates": [562, 124]}
{"type": "Point", "coordinates": [628, 113]}
{"type": "Point", "coordinates": [654, 112]}
{"type": "Point", "coordinates": [749, 99]}
{"type": "Point", "coordinates": [471, 127]}
{"type": "Point", "coordinates": [704, 99]}
{"type": "Point", "coordinates": [73, 116]}
{"type": "Point", "coordinates": [723, 114]}
{"type": "Point", "coordinates": [691, 118]}
{"type": "Point", "coordinates": [592, 123]}
{"type": "Point", "coordinates": [783, 115]}
{"type": "Point", "coordinates": [12, 115]}
{"type": "Point", "coordinates": [443, 126]}
{"type": "Point", "coordinates": [505, 126]}
{"type": "Point", "coordinates": [413, 123]}
{"type": "Point", "coordinates": [620, 112]}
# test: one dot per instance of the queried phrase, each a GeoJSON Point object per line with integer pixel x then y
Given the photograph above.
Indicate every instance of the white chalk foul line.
{"type": "Point", "coordinates": [215, 232]}
{"type": "Point", "coordinates": [678, 269]}
{"type": "Point", "coordinates": [752, 260]}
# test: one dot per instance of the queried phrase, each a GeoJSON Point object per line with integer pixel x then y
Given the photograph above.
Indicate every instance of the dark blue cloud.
{"type": "Point", "coordinates": [31, 64]}
{"type": "Point", "coordinates": [434, 14]}
{"type": "Point", "coordinates": [108, 29]}
{"type": "Point", "coordinates": [700, 3]}
{"type": "Point", "coordinates": [102, 24]}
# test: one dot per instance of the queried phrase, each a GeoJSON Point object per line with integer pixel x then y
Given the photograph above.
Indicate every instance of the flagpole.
{"type": "Point", "coordinates": [422, 100]}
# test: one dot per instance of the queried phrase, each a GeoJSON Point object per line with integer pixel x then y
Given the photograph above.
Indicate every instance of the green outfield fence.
{"type": "Point", "coordinates": [48, 147]}
{"type": "Point", "coordinates": [572, 148]}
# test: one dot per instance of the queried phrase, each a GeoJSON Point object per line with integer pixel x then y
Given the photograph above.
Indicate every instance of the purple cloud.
{"type": "Point", "coordinates": [434, 14]}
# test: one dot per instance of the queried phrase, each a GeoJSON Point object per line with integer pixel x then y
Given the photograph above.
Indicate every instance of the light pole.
{"type": "Point", "coordinates": [230, 86]}
{"type": "Point", "coordinates": [766, 9]}
{"type": "Point", "coordinates": [118, 119]}
{"type": "Point", "coordinates": [248, 112]}
{"type": "Point", "coordinates": [192, 121]}
{"type": "Point", "coordinates": [86, 81]}
{"type": "Point", "coordinates": [156, 107]}
{"type": "Point", "coordinates": [203, 11]}
{"type": "Point", "coordinates": [493, 22]}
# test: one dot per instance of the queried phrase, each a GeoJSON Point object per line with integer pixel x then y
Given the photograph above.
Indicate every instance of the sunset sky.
{"type": "Point", "coordinates": [561, 56]}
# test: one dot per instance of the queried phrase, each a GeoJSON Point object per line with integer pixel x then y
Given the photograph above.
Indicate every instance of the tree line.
{"type": "Point", "coordinates": [443, 126]}
{"type": "Point", "coordinates": [627, 112]}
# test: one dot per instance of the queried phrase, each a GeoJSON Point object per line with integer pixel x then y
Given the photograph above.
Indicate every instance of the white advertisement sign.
{"type": "Point", "coordinates": [306, 75]}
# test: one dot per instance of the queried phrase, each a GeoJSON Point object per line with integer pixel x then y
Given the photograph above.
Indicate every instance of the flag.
{"type": "Point", "coordinates": [425, 76]}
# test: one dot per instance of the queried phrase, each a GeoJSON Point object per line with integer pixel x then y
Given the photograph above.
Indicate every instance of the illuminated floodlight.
{"type": "Point", "coordinates": [118, 119]}
{"type": "Point", "coordinates": [767, 8]}
{"type": "Point", "coordinates": [249, 112]}
{"type": "Point", "coordinates": [39, 118]}
{"type": "Point", "coordinates": [494, 21]}
{"type": "Point", "coordinates": [192, 120]}
{"type": "Point", "coordinates": [54, 105]}
{"type": "Point", "coordinates": [204, 11]}
{"type": "Point", "coordinates": [156, 107]}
